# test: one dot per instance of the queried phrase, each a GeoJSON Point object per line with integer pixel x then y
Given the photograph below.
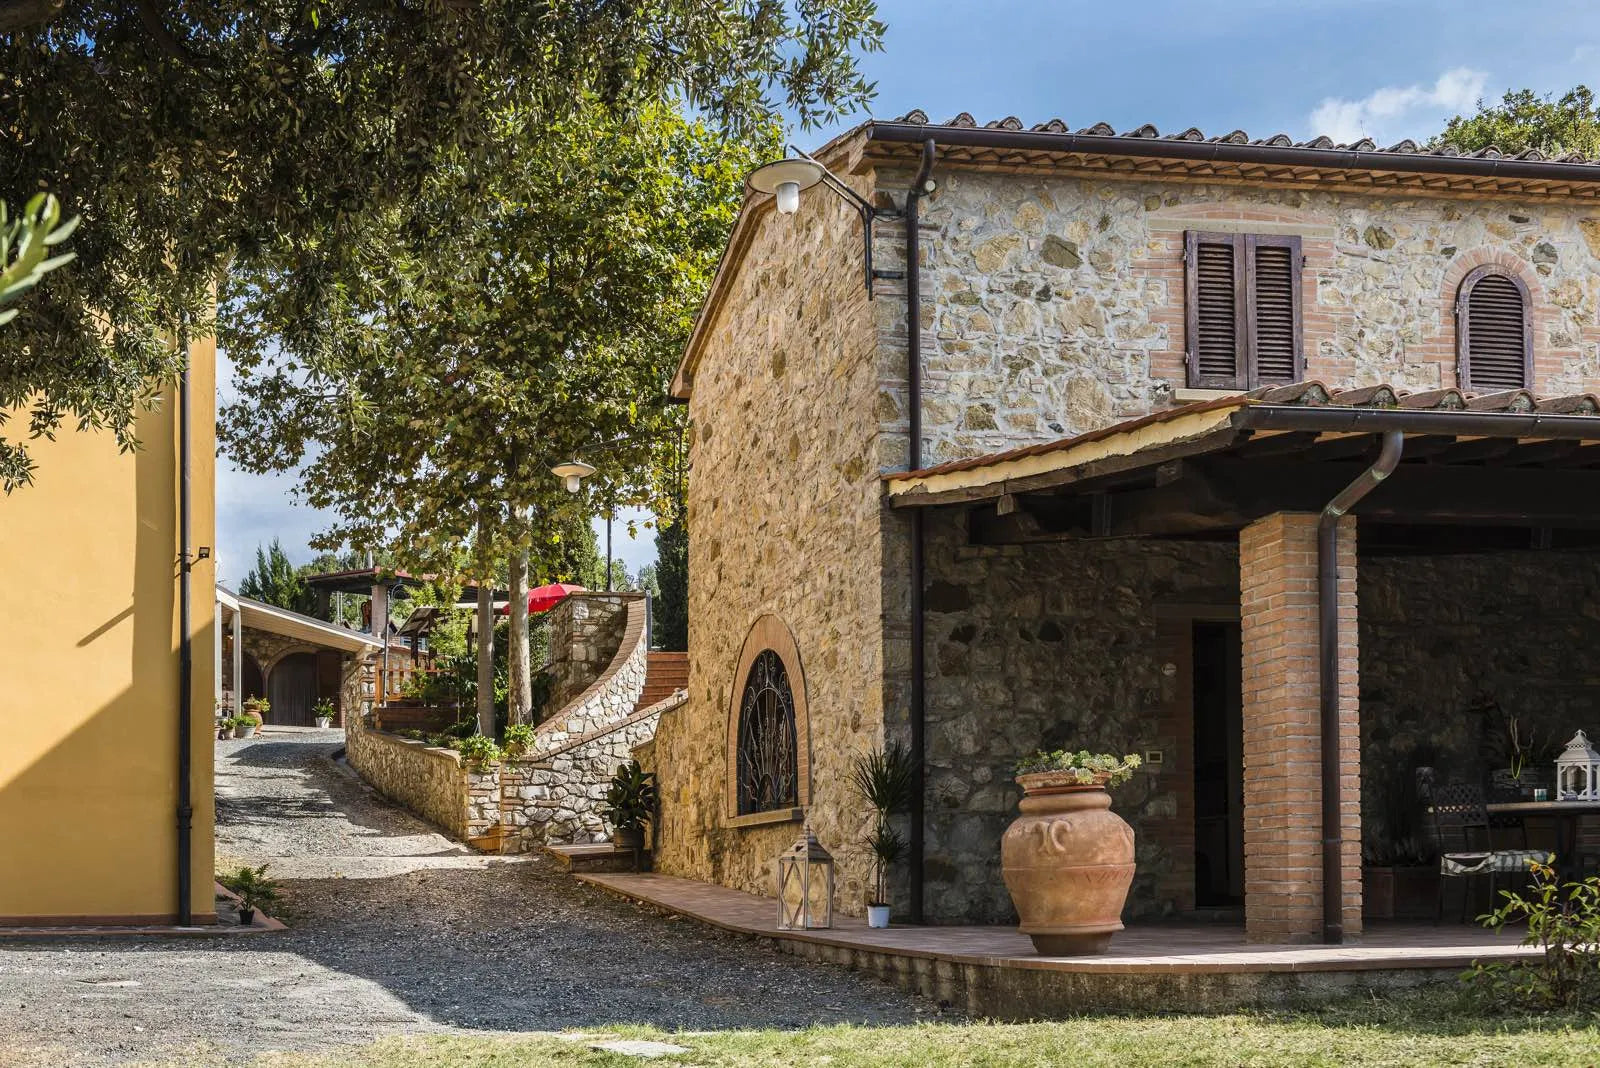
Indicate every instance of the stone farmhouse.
{"type": "Point", "coordinates": [1077, 502]}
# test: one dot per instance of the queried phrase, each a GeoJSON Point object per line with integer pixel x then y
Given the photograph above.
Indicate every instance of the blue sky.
{"type": "Point", "coordinates": [1348, 68]}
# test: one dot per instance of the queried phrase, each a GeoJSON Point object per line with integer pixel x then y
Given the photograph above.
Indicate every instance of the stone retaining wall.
{"type": "Point", "coordinates": [556, 792]}
{"type": "Point", "coordinates": [586, 630]}
{"type": "Point", "coordinates": [429, 781]}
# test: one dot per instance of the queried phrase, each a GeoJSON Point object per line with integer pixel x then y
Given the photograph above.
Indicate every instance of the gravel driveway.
{"type": "Point", "coordinates": [395, 928]}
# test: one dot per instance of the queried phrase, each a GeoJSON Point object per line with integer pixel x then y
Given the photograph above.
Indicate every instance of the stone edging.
{"type": "Point", "coordinates": [666, 704]}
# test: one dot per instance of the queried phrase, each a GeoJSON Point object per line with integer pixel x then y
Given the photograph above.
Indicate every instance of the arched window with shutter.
{"type": "Point", "coordinates": [1494, 331]}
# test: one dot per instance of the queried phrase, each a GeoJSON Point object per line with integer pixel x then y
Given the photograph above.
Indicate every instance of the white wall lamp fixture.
{"type": "Point", "coordinates": [786, 179]}
{"type": "Point", "coordinates": [572, 473]}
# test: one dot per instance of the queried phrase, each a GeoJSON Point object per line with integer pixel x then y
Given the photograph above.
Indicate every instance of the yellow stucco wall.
{"type": "Point", "coordinates": [89, 671]}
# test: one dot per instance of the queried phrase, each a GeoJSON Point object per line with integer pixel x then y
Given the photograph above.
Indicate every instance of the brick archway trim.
{"type": "Point", "coordinates": [769, 632]}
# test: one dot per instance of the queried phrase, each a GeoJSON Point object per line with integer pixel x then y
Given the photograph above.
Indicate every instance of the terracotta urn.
{"type": "Point", "coordinates": [1068, 862]}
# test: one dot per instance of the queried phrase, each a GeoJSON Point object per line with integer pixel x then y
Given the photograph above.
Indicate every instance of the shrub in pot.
{"type": "Point", "coordinates": [1068, 859]}
{"type": "Point", "coordinates": [324, 712]}
{"type": "Point", "coordinates": [244, 726]}
{"type": "Point", "coordinates": [518, 740]}
{"type": "Point", "coordinates": [884, 779]}
{"type": "Point", "coordinates": [631, 805]}
{"type": "Point", "coordinates": [255, 891]}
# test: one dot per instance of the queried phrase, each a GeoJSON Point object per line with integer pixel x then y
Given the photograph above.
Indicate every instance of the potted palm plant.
{"type": "Point", "coordinates": [323, 711]}
{"type": "Point", "coordinates": [884, 779]}
{"type": "Point", "coordinates": [631, 805]}
{"type": "Point", "coordinates": [255, 891]}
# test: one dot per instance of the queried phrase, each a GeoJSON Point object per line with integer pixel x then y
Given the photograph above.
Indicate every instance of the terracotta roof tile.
{"type": "Point", "coordinates": [1303, 394]}
{"type": "Point", "coordinates": [1148, 131]}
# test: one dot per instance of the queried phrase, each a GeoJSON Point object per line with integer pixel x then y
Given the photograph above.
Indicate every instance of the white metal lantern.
{"type": "Point", "coordinates": [1578, 771]}
{"type": "Point", "coordinates": [805, 885]}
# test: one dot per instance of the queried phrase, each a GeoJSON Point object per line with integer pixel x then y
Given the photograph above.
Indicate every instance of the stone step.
{"type": "Point", "coordinates": [595, 857]}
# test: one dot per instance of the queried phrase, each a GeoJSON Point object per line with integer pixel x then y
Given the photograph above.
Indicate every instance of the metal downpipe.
{"type": "Point", "coordinates": [919, 786]}
{"type": "Point", "coordinates": [1328, 677]}
{"type": "Point", "coordinates": [185, 652]}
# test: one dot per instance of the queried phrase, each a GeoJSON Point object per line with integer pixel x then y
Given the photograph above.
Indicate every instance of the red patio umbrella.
{"type": "Point", "coordinates": [544, 598]}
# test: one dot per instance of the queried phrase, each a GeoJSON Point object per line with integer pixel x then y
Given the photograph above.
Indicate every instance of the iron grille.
{"type": "Point", "coordinates": [768, 769]}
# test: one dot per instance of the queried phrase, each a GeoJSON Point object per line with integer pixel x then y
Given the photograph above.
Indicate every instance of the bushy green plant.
{"type": "Point", "coordinates": [323, 709]}
{"type": "Point", "coordinates": [885, 779]}
{"type": "Point", "coordinates": [478, 750]}
{"type": "Point", "coordinates": [413, 733]}
{"type": "Point", "coordinates": [1564, 924]}
{"type": "Point", "coordinates": [1086, 767]}
{"type": "Point", "coordinates": [255, 890]}
{"type": "Point", "coordinates": [518, 739]}
{"type": "Point", "coordinates": [631, 798]}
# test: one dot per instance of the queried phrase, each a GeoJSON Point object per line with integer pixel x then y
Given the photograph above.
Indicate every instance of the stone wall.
{"type": "Point", "coordinates": [429, 781]}
{"type": "Point", "coordinates": [784, 518]}
{"type": "Point", "coordinates": [1055, 305]}
{"type": "Point", "coordinates": [1058, 646]}
{"type": "Point", "coordinates": [585, 632]}
{"type": "Point", "coordinates": [1450, 646]}
{"type": "Point", "coordinates": [559, 796]}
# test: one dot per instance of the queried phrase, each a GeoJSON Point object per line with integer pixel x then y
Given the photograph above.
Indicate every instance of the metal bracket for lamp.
{"type": "Point", "coordinates": [786, 179]}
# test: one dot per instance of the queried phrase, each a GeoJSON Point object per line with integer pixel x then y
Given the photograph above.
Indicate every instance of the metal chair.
{"type": "Point", "coordinates": [1461, 827]}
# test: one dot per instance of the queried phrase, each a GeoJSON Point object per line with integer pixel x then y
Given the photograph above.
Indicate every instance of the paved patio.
{"type": "Point", "coordinates": [994, 970]}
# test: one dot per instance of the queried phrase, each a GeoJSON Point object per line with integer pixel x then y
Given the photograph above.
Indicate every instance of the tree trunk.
{"type": "Point", "coordinates": [521, 697]}
{"type": "Point", "coordinates": [485, 631]}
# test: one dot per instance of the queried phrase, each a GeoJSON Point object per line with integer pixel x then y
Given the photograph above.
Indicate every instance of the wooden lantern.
{"type": "Point", "coordinates": [805, 885]}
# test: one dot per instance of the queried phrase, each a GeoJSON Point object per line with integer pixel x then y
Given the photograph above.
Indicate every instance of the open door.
{"type": "Point", "coordinates": [1218, 767]}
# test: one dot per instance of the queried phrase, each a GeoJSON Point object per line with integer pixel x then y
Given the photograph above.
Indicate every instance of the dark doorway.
{"type": "Point", "coordinates": [253, 686]}
{"type": "Point", "coordinates": [292, 689]}
{"type": "Point", "coordinates": [1218, 767]}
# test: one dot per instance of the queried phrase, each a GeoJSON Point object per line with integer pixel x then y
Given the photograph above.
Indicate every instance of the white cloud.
{"type": "Point", "coordinates": [1392, 113]}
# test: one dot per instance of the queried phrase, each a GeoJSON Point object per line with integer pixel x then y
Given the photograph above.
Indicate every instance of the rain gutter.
{"type": "Point", "coordinates": [919, 746]}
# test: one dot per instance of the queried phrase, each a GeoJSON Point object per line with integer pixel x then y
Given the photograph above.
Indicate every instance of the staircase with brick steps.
{"type": "Point", "coordinates": [665, 674]}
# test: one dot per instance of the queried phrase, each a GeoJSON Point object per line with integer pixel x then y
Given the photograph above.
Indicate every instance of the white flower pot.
{"type": "Point", "coordinates": [324, 722]}
{"type": "Point", "coordinates": [877, 915]}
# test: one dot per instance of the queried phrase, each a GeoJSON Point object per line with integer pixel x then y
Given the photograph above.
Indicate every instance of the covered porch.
{"type": "Point", "coordinates": [1154, 587]}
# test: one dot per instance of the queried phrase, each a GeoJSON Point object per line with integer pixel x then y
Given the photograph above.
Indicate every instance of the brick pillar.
{"type": "Point", "coordinates": [1282, 729]}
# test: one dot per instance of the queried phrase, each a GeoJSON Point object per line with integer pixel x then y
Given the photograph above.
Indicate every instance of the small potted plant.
{"type": "Point", "coordinates": [1068, 859]}
{"type": "Point", "coordinates": [631, 805]}
{"type": "Point", "coordinates": [243, 727]}
{"type": "Point", "coordinates": [475, 751]}
{"type": "Point", "coordinates": [519, 739]}
{"type": "Point", "coordinates": [255, 891]}
{"type": "Point", "coordinates": [256, 709]}
{"type": "Point", "coordinates": [884, 779]}
{"type": "Point", "coordinates": [323, 711]}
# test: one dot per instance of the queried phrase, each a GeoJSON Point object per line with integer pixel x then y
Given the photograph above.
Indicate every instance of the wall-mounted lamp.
{"type": "Point", "coordinates": [572, 473]}
{"type": "Point", "coordinates": [786, 179]}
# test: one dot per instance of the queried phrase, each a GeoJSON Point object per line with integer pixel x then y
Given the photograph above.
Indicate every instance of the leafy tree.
{"type": "Point", "coordinates": [31, 235]}
{"type": "Point", "coordinates": [1524, 119]}
{"type": "Point", "coordinates": [672, 556]}
{"type": "Point", "coordinates": [487, 336]}
{"type": "Point", "coordinates": [276, 581]}
{"type": "Point", "coordinates": [195, 136]}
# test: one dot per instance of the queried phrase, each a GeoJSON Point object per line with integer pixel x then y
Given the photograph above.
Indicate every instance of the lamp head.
{"type": "Point", "coordinates": [785, 179]}
{"type": "Point", "coordinates": [572, 473]}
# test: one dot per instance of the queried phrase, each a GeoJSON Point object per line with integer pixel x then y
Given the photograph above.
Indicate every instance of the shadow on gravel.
{"type": "Point", "coordinates": [508, 945]}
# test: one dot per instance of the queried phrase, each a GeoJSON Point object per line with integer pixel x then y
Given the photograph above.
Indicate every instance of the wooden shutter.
{"type": "Point", "coordinates": [1494, 334]}
{"type": "Point", "coordinates": [1214, 307]}
{"type": "Point", "coordinates": [1242, 310]}
{"type": "Point", "coordinates": [1273, 336]}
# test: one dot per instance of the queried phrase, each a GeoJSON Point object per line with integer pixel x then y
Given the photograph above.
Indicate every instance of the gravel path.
{"type": "Point", "coordinates": [395, 928]}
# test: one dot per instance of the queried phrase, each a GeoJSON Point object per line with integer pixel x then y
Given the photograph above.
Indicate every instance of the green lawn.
{"type": "Point", "coordinates": [1433, 1030]}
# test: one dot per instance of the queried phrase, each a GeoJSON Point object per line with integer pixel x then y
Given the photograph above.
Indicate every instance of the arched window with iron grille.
{"type": "Point", "coordinates": [768, 773]}
{"type": "Point", "coordinates": [1494, 331]}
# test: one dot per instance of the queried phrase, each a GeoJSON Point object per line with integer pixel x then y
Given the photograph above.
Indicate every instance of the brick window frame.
{"type": "Point", "coordinates": [768, 634]}
{"type": "Point", "coordinates": [1243, 315]}
{"type": "Point", "coordinates": [1485, 297]}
